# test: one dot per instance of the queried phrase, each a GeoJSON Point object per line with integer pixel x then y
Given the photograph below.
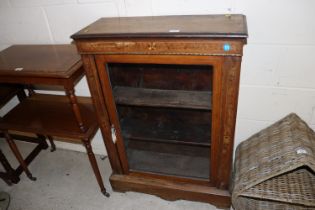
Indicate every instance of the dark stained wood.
{"type": "Point", "coordinates": [59, 65]}
{"type": "Point", "coordinates": [161, 76]}
{"type": "Point", "coordinates": [56, 61]}
{"type": "Point", "coordinates": [131, 66]}
{"type": "Point", "coordinates": [181, 165]}
{"type": "Point", "coordinates": [163, 98]}
{"type": "Point", "coordinates": [173, 126]}
{"type": "Point", "coordinates": [32, 115]}
{"type": "Point", "coordinates": [177, 59]}
{"type": "Point", "coordinates": [169, 147]}
{"type": "Point", "coordinates": [188, 26]}
{"type": "Point", "coordinates": [156, 136]}
{"type": "Point", "coordinates": [175, 140]}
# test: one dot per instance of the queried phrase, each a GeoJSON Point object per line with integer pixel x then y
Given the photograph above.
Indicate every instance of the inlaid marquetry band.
{"type": "Point", "coordinates": [163, 47]}
{"type": "Point", "coordinates": [140, 53]}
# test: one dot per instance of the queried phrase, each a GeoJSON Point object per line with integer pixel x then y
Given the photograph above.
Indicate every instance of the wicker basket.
{"type": "Point", "coordinates": [275, 168]}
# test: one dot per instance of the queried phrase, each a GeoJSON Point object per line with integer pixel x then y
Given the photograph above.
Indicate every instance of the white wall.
{"type": "Point", "coordinates": [277, 71]}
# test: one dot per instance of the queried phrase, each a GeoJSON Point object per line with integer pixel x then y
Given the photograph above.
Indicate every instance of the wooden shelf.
{"type": "Point", "coordinates": [51, 115]}
{"type": "Point", "coordinates": [178, 165]}
{"type": "Point", "coordinates": [169, 132]}
{"type": "Point", "coordinates": [162, 98]}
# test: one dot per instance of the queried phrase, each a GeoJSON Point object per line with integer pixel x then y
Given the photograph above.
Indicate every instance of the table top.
{"type": "Point", "coordinates": [187, 26]}
{"type": "Point", "coordinates": [49, 61]}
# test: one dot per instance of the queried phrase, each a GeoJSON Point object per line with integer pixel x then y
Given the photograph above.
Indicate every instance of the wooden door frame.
{"type": "Point", "coordinates": [214, 61]}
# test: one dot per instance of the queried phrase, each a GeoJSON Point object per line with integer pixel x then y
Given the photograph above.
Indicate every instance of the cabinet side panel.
{"type": "Point", "coordinates": [230, 86]}
{"type": "Point", "coordinates": [101, 111]}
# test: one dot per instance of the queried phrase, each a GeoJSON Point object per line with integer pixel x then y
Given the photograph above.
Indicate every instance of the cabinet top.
{"type": "Point", "coordinates": [187, 26]}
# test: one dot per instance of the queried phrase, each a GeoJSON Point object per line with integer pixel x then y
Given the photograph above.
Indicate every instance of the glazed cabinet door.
{"type": "Point", "coordinates": [164, 112]}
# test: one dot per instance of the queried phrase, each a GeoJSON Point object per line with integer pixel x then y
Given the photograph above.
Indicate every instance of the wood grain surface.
{"type": "Point", "coordinates": [190, 26]}
{"type": "Point", "coordinates": [59, 61]}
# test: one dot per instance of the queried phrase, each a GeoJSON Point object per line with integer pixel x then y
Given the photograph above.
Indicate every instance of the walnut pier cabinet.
{"type": "Point", "coordinates": [165, 91]}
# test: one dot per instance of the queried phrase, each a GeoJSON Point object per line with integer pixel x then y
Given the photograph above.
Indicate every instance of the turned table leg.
{"type": "Point", "coordinates": [75, 107]}
{"type": "Point", "coordinates": [94, 165]}
{"type": "Point", "coordinates": [18, 155]}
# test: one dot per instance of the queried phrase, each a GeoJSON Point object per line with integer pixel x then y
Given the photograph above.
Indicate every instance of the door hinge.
{"type": "Point", "coordinates": [113, 131]}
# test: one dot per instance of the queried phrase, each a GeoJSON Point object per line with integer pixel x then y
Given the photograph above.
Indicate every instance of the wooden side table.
{"type": "Point", "coordinates": [50, 115]}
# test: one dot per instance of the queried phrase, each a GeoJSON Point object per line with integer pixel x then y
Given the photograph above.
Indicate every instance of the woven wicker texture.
{"type": "Point", "coordinates": [275, 168]}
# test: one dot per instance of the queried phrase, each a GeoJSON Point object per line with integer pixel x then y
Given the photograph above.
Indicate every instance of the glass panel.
{"type": "Point", "coordinates": [165, 117]}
